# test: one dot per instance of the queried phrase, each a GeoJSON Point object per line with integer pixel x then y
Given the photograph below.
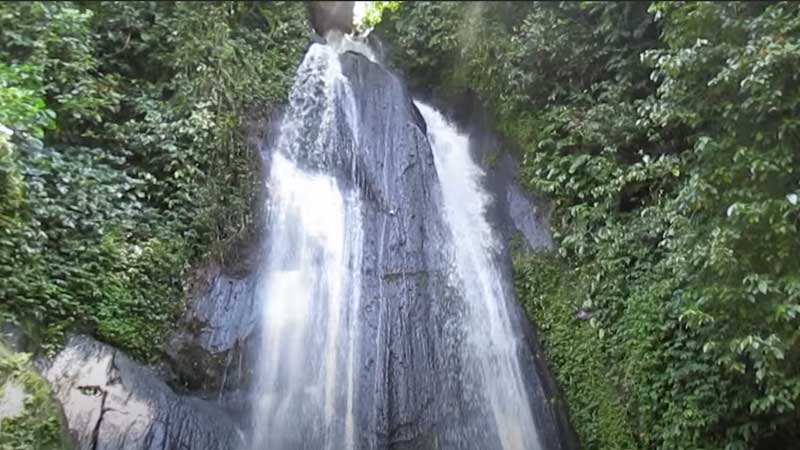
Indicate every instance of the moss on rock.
{"type": "Point", "coordinates": [39, 424]}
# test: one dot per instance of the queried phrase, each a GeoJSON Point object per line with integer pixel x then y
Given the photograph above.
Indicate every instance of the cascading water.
{"type": "Point", "coordinates": [492, 347]}
{"type": "Point", "coordinates": [310, 285]}
{"type": "Point", "coordinates": [386, 323]}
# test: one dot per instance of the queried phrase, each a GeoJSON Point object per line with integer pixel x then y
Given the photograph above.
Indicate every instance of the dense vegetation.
{"type": "Point", "coordinates": [667, 136]}
{"type": "Point", "coordinates": [123, 154]}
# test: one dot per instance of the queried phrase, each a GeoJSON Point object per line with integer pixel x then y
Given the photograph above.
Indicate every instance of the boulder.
{"type": "Point", "coordinates": [327, 16]}
{"type": "Point", "coordinates": [113, 403]}
{"type": "Point", "coordinates": [12, 399]}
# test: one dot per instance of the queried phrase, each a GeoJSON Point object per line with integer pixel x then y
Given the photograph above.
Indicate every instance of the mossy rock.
{"type": "Point", "coordinates": [29, 417]}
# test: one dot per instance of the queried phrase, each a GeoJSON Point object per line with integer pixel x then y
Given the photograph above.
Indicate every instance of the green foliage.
{"type": "Point", "coordinates": [550, 297]}
{"type": "Point", "coordinates": [424, 37]}
{"type": "Point", "coordinates": [375, 12]}
{"type": "Point", "coordinates": [666, 135]}
{"type": "Point", "coordinates": [141, 168]}
{"type": "Point", "coordinates": [40, 424]}
{"type": "Point", "coordinates": [23, 107]}
{"type": "Point", "coordinates": [54, 40]}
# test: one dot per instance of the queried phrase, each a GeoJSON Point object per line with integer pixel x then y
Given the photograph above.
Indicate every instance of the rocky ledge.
{"type": "Point", "coordinates": [113, 403]}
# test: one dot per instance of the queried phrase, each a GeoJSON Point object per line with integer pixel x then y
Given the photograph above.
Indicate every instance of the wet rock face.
{"type": "Point", "coordinates": [410, 394]}
{"type": "Point", "coordinates": [403, 264]}
{"type": "Point", "coordinates": [522, 214]}
{"type": "Point", "coordinates": [211, 347]}
{"type": "Point", "coordinates": [112, 403]}
{"type": "Point", "coordinates": [413, 316]}
{"type": "Point", "coordinates": [522, 219]}
{"type": "Point", "coordinates": [413, 397]}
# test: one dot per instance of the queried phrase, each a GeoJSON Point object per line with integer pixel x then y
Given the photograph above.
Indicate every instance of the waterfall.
{"type": "Point", "coordinates": [492, 347]}
{"type": "Point", "coordinates": [310, 284]}
{"type": "Point", "coordinates": [385, 320]}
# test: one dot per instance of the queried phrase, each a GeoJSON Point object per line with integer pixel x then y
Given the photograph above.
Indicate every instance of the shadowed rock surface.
{"type": "Point", "coordinates": [526, 214]}
{"type": "Point", "coordinates": [112, 403]}
{"type": "Point", "coordinates": [210, 347]}
{"type": "Point", "coordinates": [14, 337]}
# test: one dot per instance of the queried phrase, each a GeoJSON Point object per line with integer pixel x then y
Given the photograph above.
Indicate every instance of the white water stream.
{"type": "Point", "coordinates": [310, 284]}
{"type": "Point", "coordinates": [492, 344]}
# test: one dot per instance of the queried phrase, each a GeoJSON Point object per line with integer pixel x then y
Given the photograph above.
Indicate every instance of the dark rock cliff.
{"type": "Point", "coordinates": [404, 266]}
{"type": "Point", "coordinates": [420, 401]}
